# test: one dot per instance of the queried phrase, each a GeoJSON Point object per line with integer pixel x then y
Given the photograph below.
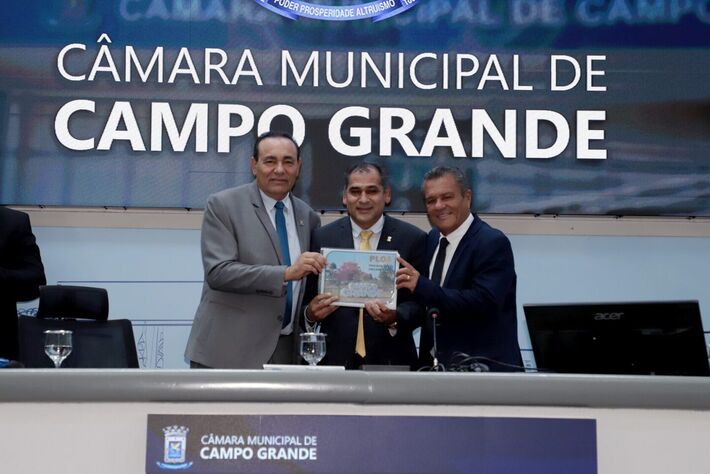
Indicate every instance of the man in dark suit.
{"type": "Point", "coordinates": [21, 274]}
{"type": "Point", "coordinates": [471, 280]}
{"type": "Point", "coordinates": [375, 335]}
{"type": "Point", "coordinates": [253, 242]}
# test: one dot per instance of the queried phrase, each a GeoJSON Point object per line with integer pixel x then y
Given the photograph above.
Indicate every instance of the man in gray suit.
{"type": "Point", "coordinates": [252, 242]}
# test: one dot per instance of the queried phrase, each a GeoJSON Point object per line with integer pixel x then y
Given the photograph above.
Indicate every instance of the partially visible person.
{"type": "Point", "coordinates": [377, 335]}
{"type": "Point", "coordinates": [253, 242]}
{"type": "Point", "coordinates": [470, 280]}
{"type": "Point", "coordinates": [21, 274]}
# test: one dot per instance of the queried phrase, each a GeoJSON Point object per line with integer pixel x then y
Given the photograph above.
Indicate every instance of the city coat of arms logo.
{"type": "Point", "coordinates": [175, 448]}
{"type": "Point", "coordinates": [377, 10]}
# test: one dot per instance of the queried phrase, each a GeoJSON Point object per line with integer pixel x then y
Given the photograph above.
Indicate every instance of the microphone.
{"type": "Point", "coordinates": [433, 313]}
{"type": "Point", "coordinates": [477, 366]}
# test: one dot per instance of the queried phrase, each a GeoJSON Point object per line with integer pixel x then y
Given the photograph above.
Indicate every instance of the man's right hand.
{"type": "Point", "coordinates": [321, 307]}
{"type": "Point", "coordinates": [308, 263]}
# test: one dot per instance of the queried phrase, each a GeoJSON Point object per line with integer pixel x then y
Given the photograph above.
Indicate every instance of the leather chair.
{"type": "Point", "coordinates": [96, 341]}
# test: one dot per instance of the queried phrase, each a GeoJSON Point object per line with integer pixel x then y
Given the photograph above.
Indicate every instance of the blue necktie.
{"type": "Point", "coordinates": [283, 242]}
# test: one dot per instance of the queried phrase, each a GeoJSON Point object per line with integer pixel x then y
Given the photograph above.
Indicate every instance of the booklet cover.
{"type": "Point", "coordinates": [359, 276]}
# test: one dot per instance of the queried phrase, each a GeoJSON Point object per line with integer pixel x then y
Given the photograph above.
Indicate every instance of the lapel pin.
{"type": "Point", "coordinates": [300, 222]}
{"type": "Point", "coordinates": [389, 238]}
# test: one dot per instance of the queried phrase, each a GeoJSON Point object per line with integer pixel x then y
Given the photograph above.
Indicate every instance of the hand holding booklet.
{"type": "Point", "coordinates": [360, 276]}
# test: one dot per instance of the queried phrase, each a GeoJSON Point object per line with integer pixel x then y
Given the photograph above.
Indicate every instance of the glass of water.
{"type": "Point", "coordinates": [57, 345]}
{"type": "Point", "coordinates": [312, 347]}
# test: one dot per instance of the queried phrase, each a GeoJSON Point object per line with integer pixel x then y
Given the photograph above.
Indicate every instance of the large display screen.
{"type": "Point", "coordinates": [549, 106]}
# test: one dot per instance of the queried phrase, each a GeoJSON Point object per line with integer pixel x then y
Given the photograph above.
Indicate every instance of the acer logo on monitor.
{"type": "Point", "coordinates": [608, 316]}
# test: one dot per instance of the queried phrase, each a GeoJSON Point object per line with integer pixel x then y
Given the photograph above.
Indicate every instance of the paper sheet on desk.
{"type": "Point", "coordinates": [300, 368]}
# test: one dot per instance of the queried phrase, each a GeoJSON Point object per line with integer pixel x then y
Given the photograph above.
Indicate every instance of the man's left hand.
{"type": "Point", "coordinates": [407, 275]}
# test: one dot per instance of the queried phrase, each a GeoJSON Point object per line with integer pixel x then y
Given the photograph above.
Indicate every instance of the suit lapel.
{"type": "Point", "coordinates": [300, 215]}
{"type": "Point", "coordinates": [263, 217]}
{"type": "Point", "coordinates": [463, 249]}
{"type": "Point", "coordinates": [345, 235]}
{"type": "Point", "coordinates": [388, 239]}
{"type": "Point", "coordinates": [431, 243]}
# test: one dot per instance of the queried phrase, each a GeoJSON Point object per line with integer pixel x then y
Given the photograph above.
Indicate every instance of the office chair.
{"type": "Point", "coordinates": [97, 341]}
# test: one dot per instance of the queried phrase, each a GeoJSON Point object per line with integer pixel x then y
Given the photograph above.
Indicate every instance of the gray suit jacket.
{"type": "Point", "coordinates": [238, 321]}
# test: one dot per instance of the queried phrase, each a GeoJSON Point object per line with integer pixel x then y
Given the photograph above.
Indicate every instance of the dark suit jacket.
{"type": "Point", "coordinates": [476, 302]}
{"type": "Point", "coordinates": [21, 274]}
{"type": "Point", "coordinates": [341, 326]}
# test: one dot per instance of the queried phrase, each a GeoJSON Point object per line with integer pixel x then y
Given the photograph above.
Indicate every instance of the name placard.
{"type": "Point", "coordinates": [369, 444]}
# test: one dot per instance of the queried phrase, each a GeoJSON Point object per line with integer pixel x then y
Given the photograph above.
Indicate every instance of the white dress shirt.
{"type": "Point", "coordinates": [374, 238]}
{"type": "Point", "coordinates": [454, 239]}
{"type": "Point", "coordinates": [294, 246]}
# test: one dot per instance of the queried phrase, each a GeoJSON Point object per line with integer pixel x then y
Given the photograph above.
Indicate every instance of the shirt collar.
{"type": "Point", "coordinates": [376, 227]}
{"type": "Point", "coordinates": [270, 202]}
{"type": "Point", "coordinates": [456, 235]}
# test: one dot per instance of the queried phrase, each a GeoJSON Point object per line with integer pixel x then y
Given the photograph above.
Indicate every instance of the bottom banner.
{"type": "Point", "coordinates": [369, 444]}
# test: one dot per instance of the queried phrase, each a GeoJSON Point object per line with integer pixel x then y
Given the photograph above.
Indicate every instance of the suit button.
{"type": "Point", "coordinates": [280, 317]}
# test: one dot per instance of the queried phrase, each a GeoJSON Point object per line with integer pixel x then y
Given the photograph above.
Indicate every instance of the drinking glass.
{"type": "Point", "coordinates": [57, 345]}
{"type": "Point", "coordinates": [312, 347]}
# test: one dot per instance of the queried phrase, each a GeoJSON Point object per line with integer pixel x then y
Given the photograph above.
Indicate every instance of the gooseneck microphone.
{"type": "Point", "coordinates": [433, 313]}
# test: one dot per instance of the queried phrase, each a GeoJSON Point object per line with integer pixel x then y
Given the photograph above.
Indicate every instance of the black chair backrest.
{"type": "Point", "coordinates": [64, 301]}
{"type": "Point", "coordinates": [96, 344]}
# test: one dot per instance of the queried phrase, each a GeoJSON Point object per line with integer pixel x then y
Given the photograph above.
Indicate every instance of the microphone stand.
{"type": "Point", "coordinates": [434, 314]}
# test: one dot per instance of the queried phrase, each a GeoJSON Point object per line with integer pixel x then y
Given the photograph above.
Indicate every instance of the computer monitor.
{"type": "Point", "coordinates": [653, 338]}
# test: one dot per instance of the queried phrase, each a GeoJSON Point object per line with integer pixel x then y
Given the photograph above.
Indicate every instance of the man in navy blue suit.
{"type": "Point", "coordinates": [471, 280]}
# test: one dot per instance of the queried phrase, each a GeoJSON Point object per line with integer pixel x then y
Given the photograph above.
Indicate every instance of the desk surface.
{"type": "Point", "coordinates": [372, 388]}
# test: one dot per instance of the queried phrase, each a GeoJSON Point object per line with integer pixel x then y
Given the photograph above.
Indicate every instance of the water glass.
{"type": "Point", "coordinates": [57, 345]}
{"type": "Point", "coordinates": [312, 347]}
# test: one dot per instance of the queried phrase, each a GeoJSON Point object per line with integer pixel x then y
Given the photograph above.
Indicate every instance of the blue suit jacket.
{"type": "Point", "coordinates": [476, 302]}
